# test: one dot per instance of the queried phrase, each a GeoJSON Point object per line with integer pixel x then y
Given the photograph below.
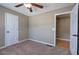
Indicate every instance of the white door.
{"type": "Point", "coordinates": [74, 30]}
{"type": "Point", "coordinates": [11, 29]}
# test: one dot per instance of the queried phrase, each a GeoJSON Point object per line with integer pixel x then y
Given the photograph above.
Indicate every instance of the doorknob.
{"type": "Point", "coordinates": [75, 35]}
{"type": "Point", "coordinates": [7, 31]}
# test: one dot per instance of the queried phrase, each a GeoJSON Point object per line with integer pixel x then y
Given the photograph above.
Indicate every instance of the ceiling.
{"type": "Point", "coordinates": [47, 7]}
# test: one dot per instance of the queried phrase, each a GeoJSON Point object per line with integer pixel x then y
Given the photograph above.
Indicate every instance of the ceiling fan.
{"type": "Point", "coordinates": [29, 6]}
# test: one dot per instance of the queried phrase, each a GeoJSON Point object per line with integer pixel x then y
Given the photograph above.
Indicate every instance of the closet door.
{"type": "Point", "coordinates": [11, 29]}
{"type": "Point", "coordinates": [74, 30]}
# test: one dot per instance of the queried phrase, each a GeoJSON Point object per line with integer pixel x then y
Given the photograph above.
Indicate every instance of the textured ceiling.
{"type": "Point", "coordinates": [47, 7]}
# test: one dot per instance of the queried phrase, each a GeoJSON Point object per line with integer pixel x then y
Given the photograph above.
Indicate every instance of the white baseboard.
{"type": "Point", "coordinates": [22, 41]}
{"type": "Point", "coordinates": [63, 39]}
{"type": "Point", "coordinates": [41, 42]}
{"type": "Point", "coordinates": [2, 47]}
{"type": "Point", "coordinates": [14, 44]}
{"type": "Point", "coordinates": [31, 40]}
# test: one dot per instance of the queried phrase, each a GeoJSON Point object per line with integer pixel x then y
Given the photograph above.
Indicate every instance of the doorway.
{"type": "Point", "coordinates": [63, 30]}
{"type": "Point", "coordinates": [11, 29]}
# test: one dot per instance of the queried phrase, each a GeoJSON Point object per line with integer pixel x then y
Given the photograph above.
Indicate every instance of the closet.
{"type": "Point", "coordinates": [63, 30]}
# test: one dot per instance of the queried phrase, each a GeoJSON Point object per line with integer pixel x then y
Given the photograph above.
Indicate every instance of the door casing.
{"type": "Point", "coordinates": [68, 12]}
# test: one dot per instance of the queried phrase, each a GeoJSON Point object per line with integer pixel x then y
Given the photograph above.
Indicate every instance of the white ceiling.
{"type": "Point", "coordinates": [47, 7]}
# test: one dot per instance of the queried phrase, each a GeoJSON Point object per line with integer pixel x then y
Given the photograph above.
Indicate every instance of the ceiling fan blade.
{"type": "Point", "coordinates": [19, 5]}
{"type": "Point", "coordinates": [30, 9]}
{"type": "Point", "coordinates": [36, 5]}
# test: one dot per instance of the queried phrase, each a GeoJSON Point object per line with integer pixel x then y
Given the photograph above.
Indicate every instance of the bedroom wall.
{"type": "Point", "coordinates": [40, 26]}
{"type": "Point", "coordinates": [23, 33]}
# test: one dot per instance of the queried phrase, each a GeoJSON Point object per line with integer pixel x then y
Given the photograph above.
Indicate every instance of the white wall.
{"type": "Point", "coordinates": [40, 26]}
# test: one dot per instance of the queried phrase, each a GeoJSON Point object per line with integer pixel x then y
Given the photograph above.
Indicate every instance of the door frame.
{"type": "Point", "coordinates": [78, 33]}
{"type": "Point", "coordinates": [55, 15]}
{"type": "Point", "coordinates": [5, 28]}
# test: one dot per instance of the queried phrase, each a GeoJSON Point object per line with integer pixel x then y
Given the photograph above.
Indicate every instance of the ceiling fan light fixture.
{"type": "Point", "coordinates": [28, 5]}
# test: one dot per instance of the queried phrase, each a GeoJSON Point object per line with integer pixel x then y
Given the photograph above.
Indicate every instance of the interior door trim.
{"type": "Point", "coordinates": [78, 33]}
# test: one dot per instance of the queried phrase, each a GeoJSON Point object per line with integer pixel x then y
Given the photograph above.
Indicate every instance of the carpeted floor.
{"type": "Point", "coordinates": [33, 48]}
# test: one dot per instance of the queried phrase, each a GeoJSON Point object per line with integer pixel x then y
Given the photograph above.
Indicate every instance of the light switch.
{"type": "Point", "coordinates": [53, 29]}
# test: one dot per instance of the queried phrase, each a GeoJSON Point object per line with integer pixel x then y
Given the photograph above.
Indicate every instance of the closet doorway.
{"type": "Point", "coordinates": [63, 30]}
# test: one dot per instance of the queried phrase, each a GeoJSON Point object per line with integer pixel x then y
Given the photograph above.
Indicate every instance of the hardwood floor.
{"type": "Point", "coordinates": [62, 44]}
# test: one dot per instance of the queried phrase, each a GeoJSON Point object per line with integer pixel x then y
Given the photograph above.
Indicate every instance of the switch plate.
{"type": "Point", "coordinates": [53, 29]}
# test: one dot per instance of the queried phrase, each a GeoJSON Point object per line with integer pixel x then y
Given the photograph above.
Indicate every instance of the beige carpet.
{"type": "Point", "coordinates": [33, 48]}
